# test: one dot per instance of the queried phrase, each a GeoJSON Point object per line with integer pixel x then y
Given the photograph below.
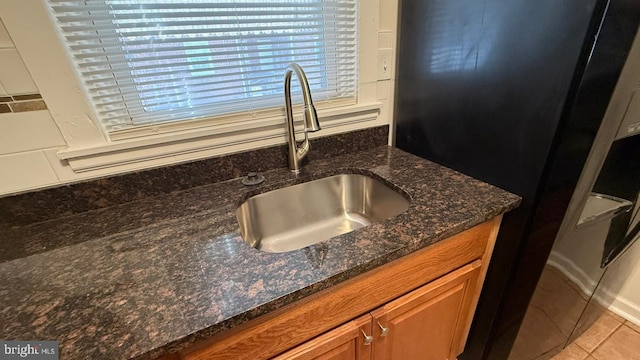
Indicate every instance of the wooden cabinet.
{"type": "Point", "coordinates": [347, 342]}
{"type": "Point", "coordinates": [426, 324]}
{"type": "Point", "coordinates": [426, 299]}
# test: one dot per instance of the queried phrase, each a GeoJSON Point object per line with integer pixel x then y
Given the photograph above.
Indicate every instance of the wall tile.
{"type": "Point", "coordinates": [27, 97]}
{"type": "Point", "coordinates": [368, 91]}
{"type": "Point", "coordinates": [383, 89]}
{"type": "Point", "coordinates": [385, 39]}
{"type": "Point", "coordinates": [388, 14]}
{"type": "Point", "coordinates": [24, 106]}
{"type": "Point", "coordinates": [28, 131]}
{"type": "Point", "coordinates": [21, 103]}
{"type": "Point", "coordinates": [26, 170]}
{"type": "Point", "coordinates": [14, 76]}
{"type": "Point", "coordinates": [368, 45]}
{"type": "Point", "coordinates": [5, 40]}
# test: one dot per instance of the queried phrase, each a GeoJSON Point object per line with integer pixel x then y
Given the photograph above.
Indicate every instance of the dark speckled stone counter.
{"type": "Point", "coordinates": [150, 276]}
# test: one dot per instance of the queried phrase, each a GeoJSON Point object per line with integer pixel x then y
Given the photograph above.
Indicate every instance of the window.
{"type": "Point", "coordinates": [154, 62]}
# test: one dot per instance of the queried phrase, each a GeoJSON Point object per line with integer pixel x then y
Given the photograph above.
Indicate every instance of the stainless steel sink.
{"type": "Point", "coordinates": [301, 215]}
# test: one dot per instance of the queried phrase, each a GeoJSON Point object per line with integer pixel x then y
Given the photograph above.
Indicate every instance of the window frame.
{"type": "Point", "coordinates": [90, 149]}
{"type": "Point", "coordinates": [133, 84]}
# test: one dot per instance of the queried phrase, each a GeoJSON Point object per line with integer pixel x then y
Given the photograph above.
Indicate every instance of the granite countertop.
{"type": "Point", "coordinates": [140, 279]}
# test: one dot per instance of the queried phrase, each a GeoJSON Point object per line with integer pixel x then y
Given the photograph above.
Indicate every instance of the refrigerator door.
{"type": "Point", "coordinates": [481, 87]}
{"type": "Point", "coordinates": [481, 84]}
{"type": "Point", "coordinates": [512, 93]}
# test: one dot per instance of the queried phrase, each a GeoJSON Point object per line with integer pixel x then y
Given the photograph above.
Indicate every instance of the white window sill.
{"type": "Point", "coordinates": [191, 144]}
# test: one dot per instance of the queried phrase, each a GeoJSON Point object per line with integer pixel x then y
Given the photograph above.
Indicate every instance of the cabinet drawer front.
{"type": "Point", "coordinates": [346, 342]}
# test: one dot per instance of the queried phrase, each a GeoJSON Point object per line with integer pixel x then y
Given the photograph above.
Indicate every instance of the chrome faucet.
{"type": "Point", "coordinates": [309, 117]}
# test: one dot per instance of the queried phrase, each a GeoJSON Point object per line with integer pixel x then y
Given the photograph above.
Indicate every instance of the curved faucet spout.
{"type": "Point", "coordinates": [309, 116]}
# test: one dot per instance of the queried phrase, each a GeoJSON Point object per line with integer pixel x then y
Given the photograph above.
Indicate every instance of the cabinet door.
{"type": "Point", "coordinates": [347, 342]}
{"type": "Point", "coordinates": [429, 322]}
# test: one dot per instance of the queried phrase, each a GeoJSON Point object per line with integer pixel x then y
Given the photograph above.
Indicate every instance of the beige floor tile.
{"type": "Point", "coordinates": [550, 354]}
{"type": "Point", "coordinates": [597, 333]}
{"type": "Point", "coordinates": [562, 303]}
{"type": "Point", "coordinates": [572, 285]}
{"type": "Point", "coordinates": [591, 314]}
{"type": "Point", "coordinates": [632, 326]}
{"type": "Point", "coordinates": [571, 352]}
{"type": "Point", "coordinates": [538, 336]}
{"type": "Point", "coordinates": [624, 344]}
{"type": "Point", "coordinates": [551, 278]}
{"type": "Point", "coordinates": [616, 316]}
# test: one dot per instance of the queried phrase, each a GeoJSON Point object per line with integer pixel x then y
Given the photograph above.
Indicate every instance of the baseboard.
{"type": "Point", "coordinates": [569, 269]}
{"type": "Point", "coordinates": [616, 304]}
{"type": "Point", "coordinates": [624, 308]}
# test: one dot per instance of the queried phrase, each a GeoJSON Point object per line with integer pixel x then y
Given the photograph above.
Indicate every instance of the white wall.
{"type": "Point", "coordinates": [32, 143]}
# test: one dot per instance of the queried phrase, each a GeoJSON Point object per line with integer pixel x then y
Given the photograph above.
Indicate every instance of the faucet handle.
{"type": "Point", "coordinates": [310, 118]}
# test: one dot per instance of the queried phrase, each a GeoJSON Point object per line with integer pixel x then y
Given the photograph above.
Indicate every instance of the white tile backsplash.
{"type": "Point", "coordinates": [388, 15]}
{"type": "Point", "coordinates": [368, 45]}
{"type": "Point", "coordinates": [385, 40]}
{"type": "Point", "coordinates": [24, 171]}
{"type": "Point", "coordinates": [383, 89]}
{"type": "Point", "coordinates": [28, 131]}
{"type": "Point", "coordinates": [14, 76]}
{"type": "Point", "coordinates": [5, 40]}
{"type": "Point", "coordinates": [368, 91]}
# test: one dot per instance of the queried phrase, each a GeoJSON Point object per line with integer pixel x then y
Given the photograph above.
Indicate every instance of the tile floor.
{"type": "Point", "coordinates": [554, 310]}
{"type": "Point", "coordinates": [609, 338]}
{"type": "Point", "coordinates": [552, 314]}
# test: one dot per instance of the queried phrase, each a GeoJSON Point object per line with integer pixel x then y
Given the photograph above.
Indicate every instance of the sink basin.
{"type": "Point", "coordinates": [301, 215]}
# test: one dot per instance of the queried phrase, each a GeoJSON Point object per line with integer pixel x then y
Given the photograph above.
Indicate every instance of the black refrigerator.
{"type": "Point", "coordinates": [511, 92]}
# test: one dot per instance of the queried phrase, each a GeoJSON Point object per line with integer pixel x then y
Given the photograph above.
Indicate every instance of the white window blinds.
{"type": "Point", "coordinates": [148, 62]}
